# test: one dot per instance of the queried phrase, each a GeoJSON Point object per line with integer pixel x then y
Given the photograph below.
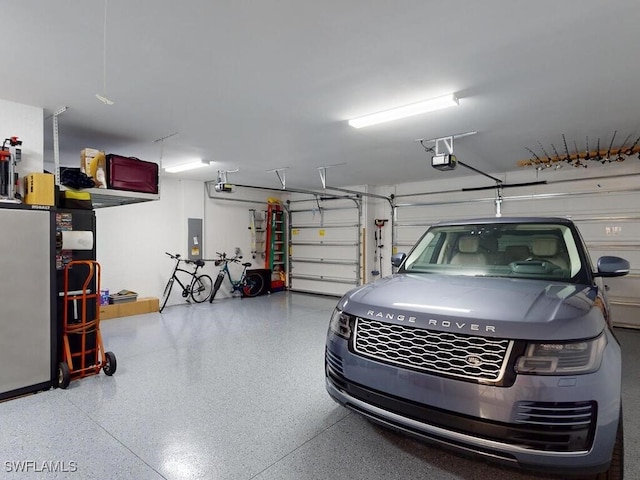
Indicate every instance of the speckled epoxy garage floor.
{"type": "Point", "coordinates": [232, 390]}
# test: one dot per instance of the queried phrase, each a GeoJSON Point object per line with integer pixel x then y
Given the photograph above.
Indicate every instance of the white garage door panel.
{"type": "Point", "coordinates": [416, 213]}
{"type": "Point", "coordinates": [326, 233]}
{"type": "Point", "coordinates": [583, 205]}
{"type": "Point", "coordinates": [624, 289]}
{"type": "Point", "coordinates": [624, 315]}
{"type": "Point", "coordinates": [408, 235]}
{"type": "Point", "coordinates": [341, 273]}
{"type": "Point", "coordinates": [435, 213]}
{"type": "Point", "coordinates": [325, 253]}
{"type": "Point", "coordinates": [610, 229]}
{"type": "Point", "coordinates": [325, 246]}
{"type": "Point", "coordinates": [328, 216]}
{"type": "Point", "coordinates": [322, 287]}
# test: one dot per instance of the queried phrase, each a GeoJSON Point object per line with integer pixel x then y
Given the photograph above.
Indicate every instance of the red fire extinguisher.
{"type": "Point", "coordinates": [8, 175]}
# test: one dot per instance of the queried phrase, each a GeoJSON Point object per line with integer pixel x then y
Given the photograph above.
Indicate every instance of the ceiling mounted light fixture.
{"type": "Point", "coordinates": [425, 106]}
{"type": "Point", "coordinates": [187, 166]}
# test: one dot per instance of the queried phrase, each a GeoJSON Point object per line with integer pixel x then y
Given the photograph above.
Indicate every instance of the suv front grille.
{"type": "Point", "coordinates": [446, 353]}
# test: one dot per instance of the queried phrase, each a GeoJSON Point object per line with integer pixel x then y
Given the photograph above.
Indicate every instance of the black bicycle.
{"type": "Point", "coordinates": [248, 285]}
{"type": "Point", "coordinates": [199, 288]}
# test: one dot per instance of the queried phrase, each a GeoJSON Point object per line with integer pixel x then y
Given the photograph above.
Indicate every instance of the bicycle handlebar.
{"type": "Point", "coordinates": [185, 260]}
{"type": "Point", "coordinates": [222, 258]}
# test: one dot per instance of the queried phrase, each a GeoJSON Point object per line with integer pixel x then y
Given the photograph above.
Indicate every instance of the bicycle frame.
{"type": "Point", "coordinates": [199, 287]}
{"type": "Point", "coordinates": [193, 275]}
{"type": "Point", "coordinates": [236, 285]}
{"type": "Point", "coordinates": [248, 285]}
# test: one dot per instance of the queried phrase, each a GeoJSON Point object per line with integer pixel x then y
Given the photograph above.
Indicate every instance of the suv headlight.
{"type": "Point", "coordinates": [566, 358]}
{"type": "Point", "coordinates": [339, 324]}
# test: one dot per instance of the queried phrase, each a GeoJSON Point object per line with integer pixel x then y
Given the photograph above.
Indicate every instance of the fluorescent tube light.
{"type": "Point", "coordinates": [406, 111]}
{"type": "Point", "coordinates": [186, 166]}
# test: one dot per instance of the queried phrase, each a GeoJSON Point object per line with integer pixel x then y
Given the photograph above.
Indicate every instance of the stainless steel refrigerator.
{"type": "Point", "coordinates": [28, 331]}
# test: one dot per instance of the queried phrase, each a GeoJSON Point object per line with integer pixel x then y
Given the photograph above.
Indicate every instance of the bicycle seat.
{"type": "Point", "coordinates": [199, 263]}
{"type": "Point", "coordinates": [246, 264]}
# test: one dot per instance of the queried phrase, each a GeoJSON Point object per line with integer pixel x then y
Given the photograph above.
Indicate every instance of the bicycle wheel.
{"type": "Point", "coordinates": [216, 287]}
{"type": "Point", "coordinates": [254, 285]}
{"type": "Point", "coordinates": [201, 288]}
{"type": "Point", "coordinates": [166, 294]}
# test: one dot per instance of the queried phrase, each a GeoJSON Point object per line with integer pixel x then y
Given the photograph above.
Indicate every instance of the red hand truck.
{"type": "Point", "coordinates": [82, 350]}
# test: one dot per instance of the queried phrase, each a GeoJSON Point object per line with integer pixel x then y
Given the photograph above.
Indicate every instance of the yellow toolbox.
{"type": "Point", "coordinates": [39, 189]}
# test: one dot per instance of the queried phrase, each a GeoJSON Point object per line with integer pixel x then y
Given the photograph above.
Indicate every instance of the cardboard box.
{"type": "Point", "coordinates": [39, 189]}
{"type": "Point", "coordinates": [86, 157]}
{"type": "Point", "coordinates": [108, 311]}
{"type": "Point", "coordinates": [117, 310]}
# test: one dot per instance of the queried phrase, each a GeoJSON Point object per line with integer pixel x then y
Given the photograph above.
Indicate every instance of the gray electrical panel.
{"type": "Point", "coordinates": [194, 229]}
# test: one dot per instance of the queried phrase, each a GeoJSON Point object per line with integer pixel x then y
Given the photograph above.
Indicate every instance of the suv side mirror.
{"type": "Point", "coordinates": [397, 259]}
{"type": "Point", "coordinates": [612, 267]}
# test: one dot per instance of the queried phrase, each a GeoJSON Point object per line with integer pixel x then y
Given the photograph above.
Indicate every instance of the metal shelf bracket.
{"type": "Point", "coordinates": [56, 144]}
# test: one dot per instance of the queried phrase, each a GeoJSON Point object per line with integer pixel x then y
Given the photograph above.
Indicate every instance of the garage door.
{"type": "Point", "coordinates": [325, 244]}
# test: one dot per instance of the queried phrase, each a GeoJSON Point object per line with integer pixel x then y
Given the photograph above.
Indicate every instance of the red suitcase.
{"type": "Point", "coordinates": [132, 174]}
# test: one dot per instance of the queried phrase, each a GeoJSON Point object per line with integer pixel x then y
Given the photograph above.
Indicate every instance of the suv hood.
{"type": "Point", "coordinates": [487, 306]}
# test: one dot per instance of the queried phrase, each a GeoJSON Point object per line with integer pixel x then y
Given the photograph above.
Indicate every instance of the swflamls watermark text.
{"type": "Point", "coordinates": [40, 466]}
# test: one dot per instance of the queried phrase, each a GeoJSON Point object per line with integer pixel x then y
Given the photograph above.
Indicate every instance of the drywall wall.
{"type": "Point", "coordinates": [131, 241]}
{"type": "Point", "coordinates": [25, 122]}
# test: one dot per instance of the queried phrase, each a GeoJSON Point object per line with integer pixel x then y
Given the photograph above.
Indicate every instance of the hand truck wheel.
{"type": "Point", "coordinates": [64, 375]}
{"type": "Point", "coordinates": [110, 364]}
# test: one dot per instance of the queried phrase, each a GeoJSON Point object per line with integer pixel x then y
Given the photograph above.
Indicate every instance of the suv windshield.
{"type": "Point", "coordinates": [522, 250]}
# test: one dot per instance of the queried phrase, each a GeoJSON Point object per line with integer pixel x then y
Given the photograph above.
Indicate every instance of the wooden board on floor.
{"type": "Point", "coordinates": [140, 306]}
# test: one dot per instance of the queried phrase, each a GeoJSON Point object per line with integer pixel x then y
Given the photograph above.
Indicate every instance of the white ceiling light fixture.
{"type": "Point", "coordinates": [405, 111]}
{"type": "Point", "coordinates": [187, 166]}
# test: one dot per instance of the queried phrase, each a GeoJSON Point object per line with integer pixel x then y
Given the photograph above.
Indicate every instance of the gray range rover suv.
{"type": "Point", "coordinates": [493, 337]}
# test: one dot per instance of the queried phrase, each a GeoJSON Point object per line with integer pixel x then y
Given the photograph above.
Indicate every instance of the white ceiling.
{"type": "Point", "coordinates": [266, 84]}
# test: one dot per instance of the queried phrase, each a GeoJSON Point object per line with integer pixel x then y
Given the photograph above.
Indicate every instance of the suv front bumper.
{"type": "Point", "coordinates": [483, 419]}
